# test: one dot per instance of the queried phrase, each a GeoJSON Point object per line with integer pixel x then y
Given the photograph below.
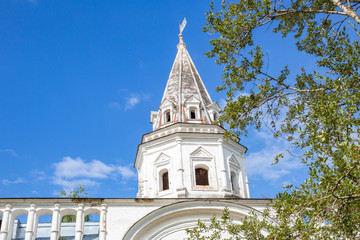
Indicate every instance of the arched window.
{"type": "Point", "coordinates": [91, 226]}
{"type": "Point", "coordinates": [234, 185]}
{"type": "Point", "coordinates": [215, 116]}
{"type": "Point", "coordinates": [233, 181]}
{"type": "Point", "coordinates": [201, 176]}
{"type": "Point", "coordinates": [164, 181]}
{"type": "Point", "coordinates": [167, 116]}
{"type": "Point", "coordinates": [43, 230]}
{"type": "Point", "coordinates": [192, 113]}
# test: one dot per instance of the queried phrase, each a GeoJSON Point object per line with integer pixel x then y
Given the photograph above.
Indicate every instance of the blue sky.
{"type": "Point", "coordinates": [78, 80]}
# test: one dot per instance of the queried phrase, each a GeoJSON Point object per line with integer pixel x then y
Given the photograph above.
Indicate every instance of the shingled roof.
{"type": "Point", "coordinates": [185, 82]}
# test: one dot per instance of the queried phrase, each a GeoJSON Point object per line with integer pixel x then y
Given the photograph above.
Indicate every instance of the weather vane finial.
{"type": "Point", "coordinates": [182, 26]}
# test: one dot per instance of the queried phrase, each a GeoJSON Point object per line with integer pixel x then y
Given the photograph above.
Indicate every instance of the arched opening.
{"type": "Point", "coordinates": [165, 181]}
{"type": "Point", "coordinates": [17, 224]}
{"type": "Point", "coordinates": [163, 223]}
{"type": "Point", "coordinates": [91, 226]}
{"type": "Point", "coordinates": [68, 218]}
{"type": "Point", "coordinates": [234, 185]}
{"type": "Point", "coordinates": [68, 224]}
{"type": "Point", "coordinates": [201, 176]}
{"type": "Point", "coordinates": [43, 230]}
{"type": "Point", "coordinates": [167, 116]}
{"type": "Point", "coordinates": [215, 116]}
{"type": "Point", "coordinates": [192, 112]}
{"type": "Point", "coordinates": [19, 227]}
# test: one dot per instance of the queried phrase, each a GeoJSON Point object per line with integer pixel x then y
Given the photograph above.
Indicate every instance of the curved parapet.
{"type": "Point", "coordinates": [170, 221]}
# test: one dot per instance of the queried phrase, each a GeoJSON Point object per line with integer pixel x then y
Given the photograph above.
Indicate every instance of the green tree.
{"type": "Point", "coordinates": [79, 192]}
{"type": "Point", "coordinates": [225, 227]}
{"type": "Point", "coordinates": [316, 110]}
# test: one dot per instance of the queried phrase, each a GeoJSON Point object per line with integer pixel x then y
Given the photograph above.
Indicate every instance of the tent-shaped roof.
{"type": "Point", "coordinates": [185, 82]}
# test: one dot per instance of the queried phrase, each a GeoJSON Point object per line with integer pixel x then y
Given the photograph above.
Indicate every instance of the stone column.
{"type": "Point", "coordinates": [5, 222]}
{"type": "Point", "coordinates": [35, 226]}
{"type": "Point", "coordinates": [179, 166]}
{"type": "Point", "coordinates": [79, 222]}
{"type": "Point", "coordinates": [30, 222]}
{"type": "Point", "coordinates": [102, 230]}
{"type": "Point", "coordinates": [224, 184]}
{"type": "Point", "coordinates": [55, 224]}
{"type": "Point", "coordinates": [145, 177]}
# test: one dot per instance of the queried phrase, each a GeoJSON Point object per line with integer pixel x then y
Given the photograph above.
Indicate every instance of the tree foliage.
{"type": "Point", "coordinates": [316, 110]}
{"type": "Point", "coordinates": [225, 228]}
{"type": "Point", "coordinates": [79, 192]}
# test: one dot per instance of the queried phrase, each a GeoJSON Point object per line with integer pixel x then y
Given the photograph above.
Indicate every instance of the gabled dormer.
{"type": "Point", "coordinates": [214, 111]}
{"type": "Point", "coordinates": [165, 116]}
{"type": "Point", "coordinates": [192, 108]}
{"type": "Point", "coordinates": [185, 97]}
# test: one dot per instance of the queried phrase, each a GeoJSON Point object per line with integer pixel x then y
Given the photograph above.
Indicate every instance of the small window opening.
{"type": "Point", "coordinates": [167, 116]}
{"type": "Point", "coordinates": [215, 117]}
{"type": "Point", "coordinates": [232, 181]}
{"type": "Point", "coordinates": [165, 181]}
{"type": "Point", "coordinates": [201, 176]}
{"type": "Point", "coordinates": [192, 114]}
{"type": "Point", "coordinates": [234, 185]}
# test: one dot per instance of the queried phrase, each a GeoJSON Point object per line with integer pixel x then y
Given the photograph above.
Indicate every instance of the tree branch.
{"type": "Point", "coordinates": [347, 10]}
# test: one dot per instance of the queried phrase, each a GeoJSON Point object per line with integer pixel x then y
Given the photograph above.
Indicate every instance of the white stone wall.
{"type": "Point", "coordinates": [123, 218]}
{"type": "Point", "coordinates": [57, 208]}
{"type": "Point", "coordinates": [178, 150]}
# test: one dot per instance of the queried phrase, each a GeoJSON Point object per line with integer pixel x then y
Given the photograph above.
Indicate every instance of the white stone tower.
{"type": "Point", "coordinates": [186, 156]}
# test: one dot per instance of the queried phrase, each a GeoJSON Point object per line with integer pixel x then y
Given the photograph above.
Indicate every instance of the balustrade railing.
{"type": "Point", "coordinates": [12, 228]}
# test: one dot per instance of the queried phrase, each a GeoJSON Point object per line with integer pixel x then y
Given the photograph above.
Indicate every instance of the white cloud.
{"type": "Point", "coordinates": [132, 101]}
{"type": "Point", "coordinates": [115, 105]}
{"type": "Point", "coordinates": [259, 164]}
{"type": "Point", "coordinates": [126, 172]}
{"type": "Point", "coordinates": [69, 185]}
{"type": "Point", "coordinates": [38, 175]}
{"type": "Point", "coordinates": [10, 151]}
{"type": "Point", "coordinates": [7, 181]}
{"type": "Point", "coordinates": [72, 168]}
{"type": "Point", "coordinates": [72, 172]}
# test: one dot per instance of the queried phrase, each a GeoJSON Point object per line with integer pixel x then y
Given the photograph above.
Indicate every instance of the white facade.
{"type": "Point", "coordinates": [122, 218]}
{"type": "Point", "coordinates": [186, 171]}
{"type": "Point", "coordinates": [186, 156]}
{"type": "Point", "coordinates": [179, 150]}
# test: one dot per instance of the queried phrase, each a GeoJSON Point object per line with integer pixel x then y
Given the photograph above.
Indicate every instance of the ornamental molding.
{"type": "Point", "coordinates": [162, 159]}
{"type": "Point", "coordinates": [200, 152]}
{"type": "Point", "coordinates": [233, 162]}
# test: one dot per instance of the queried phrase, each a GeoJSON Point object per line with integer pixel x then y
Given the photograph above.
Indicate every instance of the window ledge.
{"type": "Point", "coordinates": [164, 193]}
{"type": "Point", "coordinates": [203, 187]}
